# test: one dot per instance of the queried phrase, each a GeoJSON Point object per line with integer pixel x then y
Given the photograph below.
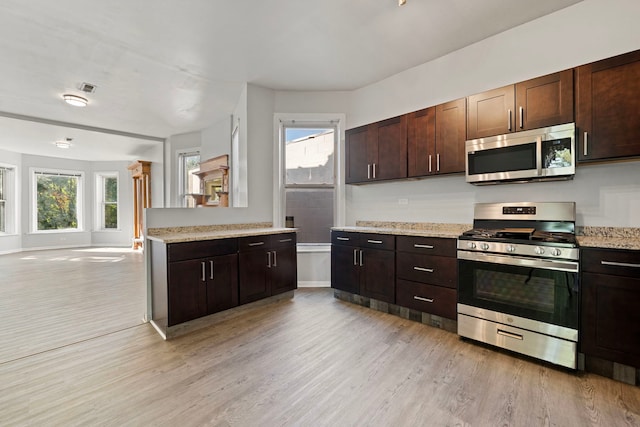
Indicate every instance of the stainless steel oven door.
{"type": "Point", "coordinates": [537, 289]}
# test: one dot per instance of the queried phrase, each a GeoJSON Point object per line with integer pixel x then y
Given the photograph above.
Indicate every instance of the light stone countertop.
{"type": "Point", "coordinates": [588, 236]}
{"type": "Point", "coordinates": [198, 233]}
{"type": "Point", "coordinates": [421, 229]}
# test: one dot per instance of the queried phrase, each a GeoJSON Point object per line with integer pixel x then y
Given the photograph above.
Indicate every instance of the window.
{"type": "Point", "coordinates": [57, 200]}
{"type": "Point", "coordinates": [107, 200]}
{"type": "Point", "coordinates": [309, 181]}
{"type": "Point", "coordinates": [188, 183]}
{"type": "Point", "coordinates": [7, 203]}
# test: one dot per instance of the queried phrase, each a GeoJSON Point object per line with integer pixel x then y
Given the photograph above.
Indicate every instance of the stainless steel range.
{"type": "Point", "coordinates": [518, 282]}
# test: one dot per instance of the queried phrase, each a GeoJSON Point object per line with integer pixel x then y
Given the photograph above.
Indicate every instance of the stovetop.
{"type": "Point", "coordinates": [542, 230]}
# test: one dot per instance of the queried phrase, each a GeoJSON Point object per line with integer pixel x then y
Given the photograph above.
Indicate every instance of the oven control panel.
{"type": "Point", "coordinates": [518, 210]}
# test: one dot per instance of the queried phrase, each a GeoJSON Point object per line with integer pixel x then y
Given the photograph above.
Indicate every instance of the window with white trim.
{"type": "Point", "coordinates": [309, 182]}
{"type": "Point", "coordinates": [107, 200]}
{"type": "Point", "coordinates": [7, 199]}
{"type": "Point", "coordinates": [57, 200]}
{"type": "Point", "coordinates": [188, 182]}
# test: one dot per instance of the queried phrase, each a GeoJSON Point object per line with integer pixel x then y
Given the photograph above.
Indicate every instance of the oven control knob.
{"type": "Point", "coordinates": [484, 246]}
{"type": "Point", "coordinates": [511, 248]}
{"type": "Point", "coordinates": [471, 245]}
{"type": "Point", "coordinates": [539, 250]}
{"type": "Point", "coordinates": [555, 252]}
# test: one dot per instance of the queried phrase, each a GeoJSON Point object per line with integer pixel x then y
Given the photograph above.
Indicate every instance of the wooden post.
{"type": "Point", "coordinates": [141, 174]}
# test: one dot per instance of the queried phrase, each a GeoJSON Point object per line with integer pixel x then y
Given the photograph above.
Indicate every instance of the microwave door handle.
{"type": "Point", "coordinates": [539, 155]}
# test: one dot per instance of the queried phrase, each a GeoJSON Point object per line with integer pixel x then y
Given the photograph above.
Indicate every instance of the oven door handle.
{"type": "Point", "coordinates": [547, 264]}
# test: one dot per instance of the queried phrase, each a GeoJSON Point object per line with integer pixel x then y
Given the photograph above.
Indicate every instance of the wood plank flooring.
{"type": "Point", "coordinates": [57, 297]}
{"type": "Point", "coordinates": [309, 361]}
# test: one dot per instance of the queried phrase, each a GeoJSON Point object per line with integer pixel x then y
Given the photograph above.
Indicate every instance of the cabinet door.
{"type": "Point", "coordinates": [187, 290]}
{"type": "Point", "coordinates": [421, 142]}
{"type": "Point", "coordinates": [254, 276]}
{"type": "Point", "coordinates": [610, 317]}
{"type": "Point", "coordinates": [344, 268]}
{"type": "Point", "coordinates": [545, 101]}
{"type": "Point", "coordinates": [222, 283]}
{"type": "Point", "coordinates": [491, 113]}
{"type": "Point", "coordinates": [390, 149]}
{"type": "Point", "coordinates": [357, 162]}
{"type": "Point", "coordinates": [377, 275]}
{"type": "Point", "coordinates": [450, 124]}
{"type": "Point", "coordinates": [284, 270]}
{"type": "Point", "coordinates": [608, 108]}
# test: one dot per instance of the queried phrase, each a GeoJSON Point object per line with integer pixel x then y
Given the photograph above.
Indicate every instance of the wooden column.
{"type": "Point", "coordinates": [141, 174]}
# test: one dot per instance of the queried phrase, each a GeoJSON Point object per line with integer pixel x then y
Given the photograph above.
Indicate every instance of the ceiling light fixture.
{"type": "Point", "coordinates": [401, 2]}
{"type": "Point", "coordinates": [66, 143]}
{"type": "Point", "coordinates": [76, 101]}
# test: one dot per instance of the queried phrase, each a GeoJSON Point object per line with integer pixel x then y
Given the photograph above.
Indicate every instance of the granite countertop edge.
{"type": "Point", "coordinates": [186, 236]}
{"type": "Point", "coordinates": [588, 236]}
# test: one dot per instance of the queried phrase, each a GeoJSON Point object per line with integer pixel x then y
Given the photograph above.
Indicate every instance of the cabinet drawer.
{"type": "Point", "coordinates": [611, 261]}
{"type": "Point", "coordinates": [250, 243]}
{"type": "Point", "coordinates": [427, 298]}
{"type": "Point", "coordinates": [282, 240]}
{"type": "Point", "coordinates": [201, 249]}
{"type": "Point", "coordinates": [427, 245]}
{"type": "Point", "coordinates": [345, 238]}
{"type": "Point", "coordinates": [378, 241]}
{"type": "Point", "coordinates": [435, 270]}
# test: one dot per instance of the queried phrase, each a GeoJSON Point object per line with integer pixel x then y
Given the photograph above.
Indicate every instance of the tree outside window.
{"type": "Point", "coordinates": [57, 201]}
{"type": "Point", "coordinates": [110, 202]}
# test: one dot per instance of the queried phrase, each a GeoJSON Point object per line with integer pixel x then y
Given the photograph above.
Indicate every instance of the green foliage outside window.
{"type": "Point", "coordinates": [110, 202]}
{"type": "Point", "coordinates": [57, 199]}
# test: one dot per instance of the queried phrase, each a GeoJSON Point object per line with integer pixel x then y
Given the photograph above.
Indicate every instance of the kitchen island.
{"type": "Point", "coordinates": [196, 273]}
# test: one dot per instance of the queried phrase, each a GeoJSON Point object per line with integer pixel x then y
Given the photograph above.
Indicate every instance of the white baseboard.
{"type": "Point", "coordinates": [314, 284]}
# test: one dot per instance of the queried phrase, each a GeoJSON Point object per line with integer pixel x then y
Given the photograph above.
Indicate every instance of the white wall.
{"type": "Point", "coordinates": [124, 234]}
{"type": "Point", "coordinates": [216, 139]}
{"type": "Point", "coordinates": [607, 194]}
{"type": "Point", "coordinates": [254, 114]}
{"type": "Point", "coordinates": [12, 242]}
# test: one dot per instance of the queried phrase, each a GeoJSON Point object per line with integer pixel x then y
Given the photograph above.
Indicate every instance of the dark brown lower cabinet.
{"type": "Point", "coordinates": [427, 278]}
{"type": "Point", "coordinates": [267, 266]}
{"type": "Point", "coordinates": [364, 264]}
{"type": "Point", "coordinates": [610, 297]}
{"type": "Point", "coordinates": [204, 285]}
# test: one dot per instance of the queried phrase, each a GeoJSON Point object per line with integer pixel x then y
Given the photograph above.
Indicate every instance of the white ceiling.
{"type": "Point", "coordinates": [164, 67]}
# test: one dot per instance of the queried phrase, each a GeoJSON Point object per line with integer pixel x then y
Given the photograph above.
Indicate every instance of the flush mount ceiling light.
{"type": "Point", "coordinates": [401, 2]}
{"type": "Point", "coordinates": [76, 101]}
{"type": "Point", "coordinates": [66, 143]}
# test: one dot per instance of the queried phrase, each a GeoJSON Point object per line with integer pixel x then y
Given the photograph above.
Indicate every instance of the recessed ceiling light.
{"type": "Point", "coordinates": [66, 143]}
{"type": "Point", "coordinates": [76, 101]}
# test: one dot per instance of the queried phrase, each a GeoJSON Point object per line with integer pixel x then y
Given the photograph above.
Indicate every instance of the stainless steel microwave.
{"type": "Point", "coordinates": [534, 155]}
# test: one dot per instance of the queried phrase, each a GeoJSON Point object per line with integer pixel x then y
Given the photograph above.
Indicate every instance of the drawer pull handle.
{"type": "Point", "coordinates": [204, 267]}
{"type": "Point", "coordinates": [269, 259]}
{"type": "Point", "coordinates": [355, 257]}
{"type": "Point", "coordinates": [285, 240]}
{"type": "Point", "coordinates": [422, 298]}
{"type": "Point", "coordinates": [275, 259]}
{"type": "Point", "coordinates": [211, 276]}
{"type": "Point", "coordinates": [417, 245]}
{"type": "Point", "coordinates": [510, 335]}
{"type": "Point", "coordinates": [378, 242]}
{"type": "Point", "coordinates": [620, 264]}
{"type": "Point", "coordinates": [256, 244]}
{"type": "Point", "coordinates": [346, 239]}
{"type": "Point", "coordinates": [426, 270]}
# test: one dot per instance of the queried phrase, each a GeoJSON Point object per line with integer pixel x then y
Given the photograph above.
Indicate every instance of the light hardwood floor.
{"type": "Point", "coordinates": [309, 361]}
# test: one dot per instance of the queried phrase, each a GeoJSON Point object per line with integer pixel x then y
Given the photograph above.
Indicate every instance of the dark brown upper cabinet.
{"type": "Point", "coordinates": [436, 137]}
{"type": "Point", "coordinates": [540, 102]}
{"type": "Point", "coordinates": [377, 152]}
{"type": "Point", "coordinates": [608, 108]}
